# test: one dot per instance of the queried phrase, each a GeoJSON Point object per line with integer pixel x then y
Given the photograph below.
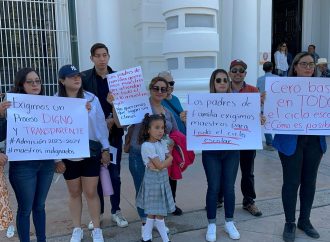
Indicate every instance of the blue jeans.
{"type": "Point", "coordinates": [269, 139]}
{"type": "Point", "coordinates": [220, 166]}
{"type": "Point", "coordinates": [114, 170]}
{"type": "Point", "coordinates": [31, 181]}
{"type": "Point", "coordinates": [300, 172]}
{"type": "Point", "coordinates": [137, 168]}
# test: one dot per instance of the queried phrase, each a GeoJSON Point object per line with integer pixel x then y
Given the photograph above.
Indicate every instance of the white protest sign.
{"type": "Point", "coordinates": [223, 121]}
{"type": "Point", "coordinates": [41, 127]}
{"type": "Point", "coordinates": [297, 105]}
{"type": "Point", "coordinates": [131, 97]}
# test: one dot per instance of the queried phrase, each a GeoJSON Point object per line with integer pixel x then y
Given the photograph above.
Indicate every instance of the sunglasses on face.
{"type": "Point", "coordinates": [171, 83]}
{"type": "Point", "coordinates": [159, 89]}
{"type": "Point", "coordinates": [235, 70]}
{"type": "Point", "coordinates": [220, 80]}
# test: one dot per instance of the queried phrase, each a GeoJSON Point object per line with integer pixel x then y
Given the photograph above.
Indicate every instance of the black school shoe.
{"type": "Point", "coordinates": [289, 233]}
{"type": "Point", "coordinates": [177, 212]}
{"type": "Point", "coordinates": [307, 227]}
{"type": "Point", "coordinates": [146, 240]}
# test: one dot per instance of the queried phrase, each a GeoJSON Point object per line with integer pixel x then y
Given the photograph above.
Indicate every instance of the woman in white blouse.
{"type": "Point", "coordinates": [82, 175]}
{"type": "Point", "coordinates": [281, 60]}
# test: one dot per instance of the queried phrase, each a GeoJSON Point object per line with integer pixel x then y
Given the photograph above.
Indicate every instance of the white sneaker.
{"type": "Point", "coordinates": [211, 234]}
{"type": "Point", "coordinates": [77, 235]}
{"type": "Point", "coordinates": [231, 230]}
{"type": "Point", "coordinates": [119, 219]}
{"type": "Point", "coordinates": [10, 231]}
{"type": "Point", "coordinates": [91, 225]}
{"type": "Point", "coordinates": [166, 229]}
{"type": "Point", "coordinates": [97, 235]}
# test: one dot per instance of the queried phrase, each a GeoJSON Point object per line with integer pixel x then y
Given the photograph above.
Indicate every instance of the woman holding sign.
{"type": "Point", "coordinates": [220, 166]}
{"type": "Point", "coordinates": [300, 157]}
{"type": "Point", "coordinates": [30, 179]}
{"type": "Point", "coordinates": [82, 175]}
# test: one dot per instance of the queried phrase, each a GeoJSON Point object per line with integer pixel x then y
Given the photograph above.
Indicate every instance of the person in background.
{"type": "Point", "coordinates": [82, 174]}
{"type": "Point", "coordinates": [268, 69]}
{"type": "Point", "coordinates": [221, 168]}
{"type": "Point", "coordinates": [281, 60]}
{"type": "Point", "coordinates": [95, 81]}
{"type": "Point", "coordinates": [172, 103]}
{"type": "Point", "coordinates": [311, 50]}
{"type": "Point", "coordinates": [30, 179]}
{"type": "Point", "coordinates": [300, 158]}
{"type": "Point", "coordinates": [322, 65]}
{"type": "Point", "coordinates": [237, 75]}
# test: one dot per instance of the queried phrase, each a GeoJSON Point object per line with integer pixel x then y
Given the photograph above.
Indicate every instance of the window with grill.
{"type": "Point", "coordinates": [33, 34]}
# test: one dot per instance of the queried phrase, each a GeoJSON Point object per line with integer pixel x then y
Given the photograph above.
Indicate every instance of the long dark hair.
{"type": "Point", "coordinates": [146, 124]}
{"type": "Point", "coordinates": [295, 62]}
{"type": "Point", "coordinates": [62, 91]}
{"type": "Point", "coordinates": [212, 79]}
{"type": "Point", "coordinates": [20, 79]}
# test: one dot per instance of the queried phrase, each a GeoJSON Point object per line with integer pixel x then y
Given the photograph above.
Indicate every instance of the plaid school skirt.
{"type": "Point", "coordinates": [155, 195]}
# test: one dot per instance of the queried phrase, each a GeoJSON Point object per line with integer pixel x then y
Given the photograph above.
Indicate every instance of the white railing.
{"type": "Point", "coordinates": [33, 34]}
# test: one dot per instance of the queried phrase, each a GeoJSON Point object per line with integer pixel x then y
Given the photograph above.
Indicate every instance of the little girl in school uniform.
{"type": "Point", "coordinates": [155, 195]}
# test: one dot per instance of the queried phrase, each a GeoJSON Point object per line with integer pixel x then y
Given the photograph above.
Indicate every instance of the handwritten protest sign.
{"type": "Point", "coordinates": [228, 121]}
{"type": "Point", "coordinates": [131, 98]}
{"type": "Point", "coordinates": [41, 127]}
{"type": "Point", "coordinates": [297, 105]}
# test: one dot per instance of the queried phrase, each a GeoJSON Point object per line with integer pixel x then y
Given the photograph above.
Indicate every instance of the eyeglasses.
{"type": "Point", "coordinates": [235, 70]}
{"type": "Point", "coordinates": [159, 89]}
{"type": "Point", "coordinates": [220, 80]}
{"type": "Point", "coordinates": [171, 83]}
{"type": "Point", "coordinates": [304, 65]}
{"type": "Point", "coordinates": [31, 82]}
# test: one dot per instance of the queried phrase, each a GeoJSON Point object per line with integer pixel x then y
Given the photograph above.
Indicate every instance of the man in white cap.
{"type": "Point", "coordinates": [322, 65]}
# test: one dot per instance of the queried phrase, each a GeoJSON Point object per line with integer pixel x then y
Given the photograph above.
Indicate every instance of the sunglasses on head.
{"type": "Point", "coordinates": [171, 83]}
{"type": "Point", "coordinates": [220, 80]}
{"type": "Point", "coordinates": [157, 89]}
{"type": "Point", "coordinates": [235, 70]}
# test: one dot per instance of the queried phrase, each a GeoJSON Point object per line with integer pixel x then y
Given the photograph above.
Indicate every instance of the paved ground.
{"type": "Point", "coordinates": [191, 198]}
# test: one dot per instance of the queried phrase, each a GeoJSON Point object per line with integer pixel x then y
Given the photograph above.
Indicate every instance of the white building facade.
{"type": "Point", "coordinates": [190, 38]}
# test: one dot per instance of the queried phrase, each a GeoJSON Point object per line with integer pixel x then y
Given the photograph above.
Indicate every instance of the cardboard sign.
{"type": "Point", "coordinates": [223, 121]}
{"type": "Point", "coordinates": [131, 97]}
{"type": "Point", "coordinates": [297, 105]}
{"type": "Point", "coordinates": [40, 128]}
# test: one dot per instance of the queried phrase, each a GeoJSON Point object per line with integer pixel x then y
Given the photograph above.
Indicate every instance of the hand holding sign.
{"type": "Point", "coordinates": [130, 97]}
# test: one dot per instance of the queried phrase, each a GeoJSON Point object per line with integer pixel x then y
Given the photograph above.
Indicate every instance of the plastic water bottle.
{"type": "Point", "coordinates": [106, 181]}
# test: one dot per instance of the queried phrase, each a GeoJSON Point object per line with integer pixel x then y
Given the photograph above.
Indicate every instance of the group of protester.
{"type": "Point", "coordinates": [150, 146]}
